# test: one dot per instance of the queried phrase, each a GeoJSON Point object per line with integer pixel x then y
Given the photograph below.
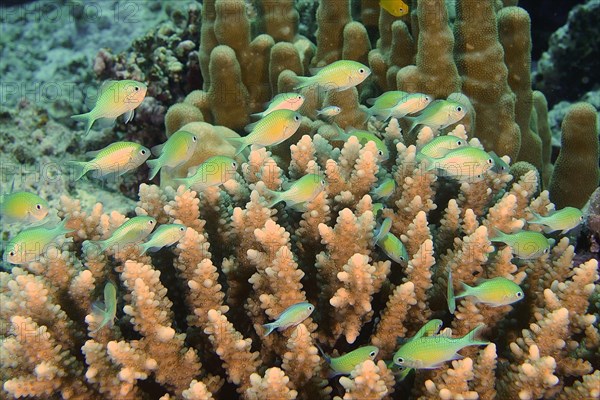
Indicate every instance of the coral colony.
{"type": "Point", "coordinates": [328, 220]}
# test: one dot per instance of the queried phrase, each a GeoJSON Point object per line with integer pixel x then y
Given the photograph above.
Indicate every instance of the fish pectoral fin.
{"type": "Point", "coordinates": [129, 115]}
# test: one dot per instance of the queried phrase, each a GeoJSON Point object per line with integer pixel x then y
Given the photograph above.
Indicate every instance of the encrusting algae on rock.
{"type": "Point", "coordinates": [234, 294]}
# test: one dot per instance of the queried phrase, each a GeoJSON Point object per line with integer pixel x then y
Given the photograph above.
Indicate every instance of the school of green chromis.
{"type": "Point", "coordinates": [446, 155]}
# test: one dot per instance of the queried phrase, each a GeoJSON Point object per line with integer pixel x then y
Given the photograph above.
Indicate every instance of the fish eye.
{"type": "Point", "coordinates": [426, 98]}
{"type": "Point", "coordinates": [151, 222]}
{"type": "Point", "coordinates": [459, 108]}
{"type": "Point", "coordinates": [361, 71]}
{"type": "Point", "coordinates": [299, 97]}
{"type": "Point", "coordinates": [194, 138]}
{"type": "Point", "coordinates": [372, 354]}
{"type": "Point", "coordinates": [380, 152]}
{"type": "Point", "coordinates": [581, 218]}
{"type": "Point", "coordinates": [38, 206]}
{"type": "Point", "coordinates": [182, 229]}
{"type": "Point", "coordinates": [234, 165]}
{"type": "Point", "coordinates": [310, 308]}
{"type": "Point", "coordinates": [322, 182]}
{"type": "Point", "coordinates": [296, 118]}
{"type": "Point", "coordinates": [519, 294]}
{"type": "Point", "coordinates": [136, 88]}
{"type": "Point", "coordinates": [459, 142]}
{"type": "Point", "coordinates": [143, 152]}
{"type": "Point", "coordinates": [546, 251]}
{"type": "Point", "coordinates": [490, 161]}
{"type": "Point", "coordinates": [399, 360]}
{"type": "Point", "coordinates": [12, 254]}
{"type": "Point", "coordinates": [401, 258]}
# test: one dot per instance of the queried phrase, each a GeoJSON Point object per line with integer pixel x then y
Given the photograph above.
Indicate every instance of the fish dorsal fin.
{"type": "Point", "coordinates": [315, 70]}
{"type": "Point", "coordinates": [106, 85]}
{"type": "Point", "coordinates": [371, 101]}
{"type": "Point", "coordinates": [92, 153]}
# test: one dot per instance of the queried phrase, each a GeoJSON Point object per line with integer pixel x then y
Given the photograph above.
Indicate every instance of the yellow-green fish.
{"type": "Point", "coordinates": [329, 112]}
{"type": "Point", "coordinates": [385, 189]}
{"type": "Point", "coordinates": [428, 352]}
{"type": "Point", "coordinates": [283, 101]}
{"type": "Point", "coordinates": [562, 220]}
{"type": "Point", "coordinates": [450, 293]}
{"type": "Point", "coordinates": [383, 230]}
{"type": "Point", "coordinates": [273, 129]}
{"type": "Point", "coordinates": [339, 75]}
{"type": "Point", "coordinates": [429, 329]}
{"type": "Point", "coordinates": [393, 248]}
{"type": "Point", "coordinates": [291, 316]}
{"type": "Point", "coordinates": [23, 207]}
{"type": "Point", "coordinates": [500, 166]}
{"type": "Point", "coordinates": [300, 192]}
{"type": "Point", "coordinates": [397, 104]}
{"type": "Point", "coordinates": [30, 244]}
{"type": "Point", "coordinates": [213, 172]}
{"type": "Point", "coordinates": [464, 164]}
{"type": "Point", "coordinates": [343, 365]}
{"type": "Point", "coordinates": [397, 8]}
{"type": "Point", "coordinates": [440, 114]}
{"type": "Point", "coordinates": [363, 138]}
{"type": "Point", "coordinates": [175, 151]}
{"type": "Point", "coordinates": [115, 159]}
{"type": "Point", "coordinates": [164, 236]}
{"type": "Point", "coordinates": [107, 311]}
{"type": "Point", "coordinates": [441, 145]}
{"type": "Point", "coordinates": [115, 98]}
{"type": "Point", "coordinates": [132, 231]}
{"type": "Point", "coordinates": [377, 208]}
{"type": "Point", "coordinates": [496, 292]}
{"type": "Point", "coordinates": [525, 245]}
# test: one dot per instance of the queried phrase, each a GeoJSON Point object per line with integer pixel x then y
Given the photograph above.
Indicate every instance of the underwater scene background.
{"type": "Point", "coordinates": [345, 199]}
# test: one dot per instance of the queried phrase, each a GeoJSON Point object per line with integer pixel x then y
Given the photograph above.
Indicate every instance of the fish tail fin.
{"type": "Point", "coordinates": [466, 289]}
{"type": "Point", "coordinates": [470, 338]}
{"type": "Point", "coordinates": [496, 235]}
{"type": "Point", "coordinates": [270, 327]}
{"type": "Point", "coordinates": [537, 218]}
{"type": "Point", "coordinates": [80, 168]}
{"type": "Point", "coordinates": [275, 199]}
{"type": "Point", "coordinates": [154, 166]}
{"type": "Point", "coordinates": [429, 161]}
{"type": "Point", "coordinates": [97, 246]}
{"type": "Point", "coordinates": [144, 248]}
{"type": "Point", "coordinates": [239, 143]}
{"type": "Point", "coordinates": [183, 181]}
{"type": "Point", "coordinates": [62, 229]}
{"type": "Point", "coordinates": [86, 118]}
{"type": "Point", "coordinates": [325, 356]}
{"type": "Point", "coordinates": [303, 81]}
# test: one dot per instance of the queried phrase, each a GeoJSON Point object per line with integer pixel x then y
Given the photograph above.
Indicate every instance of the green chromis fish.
{"type": "Point", "coordinates": [393, 248]}
{"type": "Point", "coordinates": [441, 145]}
{"type": "Point", "coordinates": [562, 220]}
{"type": "Point", "coordinates": [132, 231]}
{"type": "Point", "coordinates": [496, 292]}
{"type": "Point", "coordinates": [450, 293]}
{"type": "Point", "coordinates": [383, 230]}
{"type": "Point", "coordinates": [30, 244]}
{"type": "Point", "coordinates": [115, 98]}
{"type": "Point", "coordinates": [377, 208]}
{"type": "Point", "coordinates": [300, 192]}
{"type": "Point", "coordinates": [337, 76]}
{"type": "Point", "coordinates": [283, 101]}
{"type": "Point", "coordinates": [526, 245]}
{"type": "Point", "coordinates": [22, 207]}
{"type": "Point", "coordinates": [164, 236]}
{"type": "Point", "coordinates": [385, 189]}
{"type": "Point", "coordinates": [343, 365]}
{"type": "Point", "coordinates": [397, 8]}
{"type": "Point", "coordinates": [329, 112]}
{"type": "Point", "coordinates": [429, 329]}
{"type": "Point", "coordinates": [107, 311]}
{"type": "Point", "coordinates": [440, 114]}
{"type": "Point", "coordinates": [291, 316]}
{"type": "Point", "coordinates": [397, 104]}
{"type": "Point", "coordinates": [175, 151]}
{"type": "Point", "coordinates": [115, 159]}
{"type": "Point", "coordinates": [363, 138]}
{"type": "Point", "coordinates": [500, 166]}
{"type": "Point", "coordinates": [429, 352]}
{"type": "Point", "coordinates": [273, 129]}
{"type": "Point", "coordinates": [213, 172]}
{"type": "Point", "coordinates": [463, 164]}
